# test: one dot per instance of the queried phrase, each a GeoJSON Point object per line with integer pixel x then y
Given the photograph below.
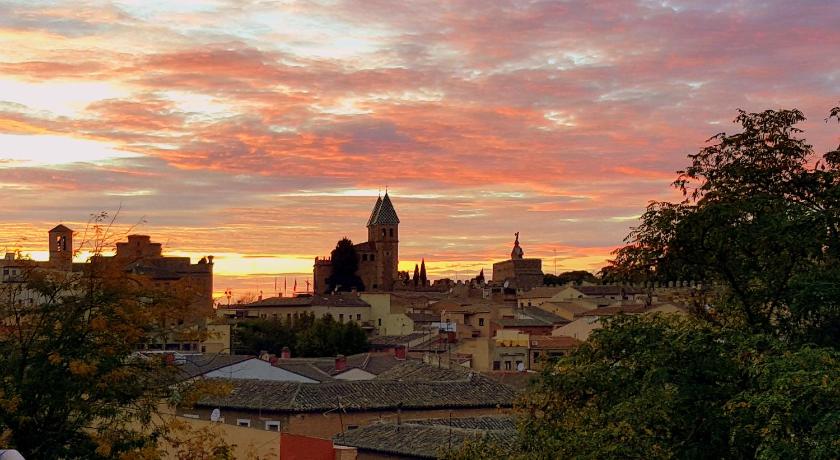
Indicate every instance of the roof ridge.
{"type": "Point", "coordinates": [295, 395]}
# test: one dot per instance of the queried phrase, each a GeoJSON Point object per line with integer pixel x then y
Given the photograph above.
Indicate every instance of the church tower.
{"type": "Point", "coordinates": [383, 234]}
{"type": "Point", "coordinates": [61, 248]}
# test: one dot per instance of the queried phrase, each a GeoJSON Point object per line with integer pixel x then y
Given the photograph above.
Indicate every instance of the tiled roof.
{"type": "Point", "coordinates": [307, 370]}
{"type": "Point", "coordinates": [553, 342]}
{"type": "Point", "coordinates": [374, 211]}
{"type": "Point", "coordinates": [616, 310]}
{"type": "Point", "coordinates": [342, 299]}
{"type": "Point", "coordinates": [426, 439]}
{"type": "Point", "coordinates": [384, 213]}
{"type": "Point", "coordinates": [374, 363]}
{"type": "Point", "coordinates": [542, 315]}
{"type": "Point", "coordinates": [472, 392]}
{"type": "Point", "coordinates": [532, 317]}
{"type": "Point", "coordinates": [194, 365]}
{"type": "Point", "coordinates": [418, 371]}
{"type": "Point", "coordinates": [418, 317]}
{"type": "Point", "coordinates": [390, 340]}
{"type": "Point", "coordinates": [485, 422]}
{"type": "Point", "coordinates": [539, 292]}
{"type": "Point", "coordinates": [521, 322]}
{"type": "Point", "coordinates": [571, 307]}
{"type": "Point", "coordinates": [610, 289]}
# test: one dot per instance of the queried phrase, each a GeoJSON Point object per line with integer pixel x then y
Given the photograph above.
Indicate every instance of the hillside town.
{"type": "Point", "coordinates": [445, 362]}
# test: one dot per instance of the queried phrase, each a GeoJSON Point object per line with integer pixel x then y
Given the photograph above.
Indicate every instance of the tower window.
{"type": "Point", "coordinates": [391, 231]}
{"type": "Point", "coordinates": [364, 257]}
{"type": "Point", "coordinates": [371, 258]}
{"type": "Point", "coordinates": [61, 243]}
{"type": "Point", "coordinates": [383, 232]}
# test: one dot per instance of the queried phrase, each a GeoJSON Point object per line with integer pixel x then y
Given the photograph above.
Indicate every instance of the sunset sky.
{"type": "Point", "coordinates": [262, 131]}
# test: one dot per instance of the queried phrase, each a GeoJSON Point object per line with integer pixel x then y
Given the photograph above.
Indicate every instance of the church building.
{"type": "Point", "coordinates": [378, 256]}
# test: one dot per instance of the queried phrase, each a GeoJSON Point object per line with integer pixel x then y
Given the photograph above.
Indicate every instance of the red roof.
{"type": "Point", "coordinates": [553, 341]}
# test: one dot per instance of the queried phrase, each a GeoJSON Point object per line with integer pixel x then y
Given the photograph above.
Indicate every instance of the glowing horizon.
{"type": "Point", "coordinates": [262, 132]}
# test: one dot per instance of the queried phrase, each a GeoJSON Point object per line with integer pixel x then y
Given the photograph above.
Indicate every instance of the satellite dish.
{"type": "Point", "coordinates": [215, 415]}
{"type": "Point", "coordinates": [520, 367]}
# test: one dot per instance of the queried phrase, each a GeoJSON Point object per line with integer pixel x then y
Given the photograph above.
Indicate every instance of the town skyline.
{"type": "Point", "coordinates": [262, 133]}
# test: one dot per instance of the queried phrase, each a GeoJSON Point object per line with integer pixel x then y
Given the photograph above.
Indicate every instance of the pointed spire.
{"type": "Point", "coordinates": [384, 212]}
{"type": "Point", "coordinates": [375, 210]}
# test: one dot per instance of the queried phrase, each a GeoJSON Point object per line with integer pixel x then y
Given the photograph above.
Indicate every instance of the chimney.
{"type": "Point", "coordinates": [400, 352]}
{"type": "Point", "coordinates": [285, 353]}
{"type": "Point", "coordinates": [340, 363]}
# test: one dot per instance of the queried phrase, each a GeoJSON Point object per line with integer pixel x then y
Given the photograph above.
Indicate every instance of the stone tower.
{"type": "Point", "coordinates": [383, 233]}
{"type": "Point", "coordinates": [61, 248]}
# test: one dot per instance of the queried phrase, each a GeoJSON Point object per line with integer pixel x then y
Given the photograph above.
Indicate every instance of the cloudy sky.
{"type": "Point", "coordinates": [262, 131]}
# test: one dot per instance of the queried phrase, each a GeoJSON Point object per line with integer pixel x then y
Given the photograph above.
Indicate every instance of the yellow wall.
{"type": "Point", "coordinates": [385, 317]}
{"type": "Point", "coordinates": [248, 442]}
{"type": "Point", "coordinates": [218, 339]}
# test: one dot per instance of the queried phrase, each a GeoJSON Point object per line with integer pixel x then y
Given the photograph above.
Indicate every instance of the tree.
{"type": "Point", "coordinates": [753, 372]}
{"type": "Point", "coordinates": [416, 278]}
{"type": "Point", "coordinates": [761, 219]}
{"type": "Point", "coordinates": [345, 265]}
{"type": "Point", "coordinates": [577, 277]}
{"type": "Point", "coordinates": [306, 337]}
{"type": "Point", "coordinates": [73, 386]}
{"type": "Point", "coordinates": [327, 337]}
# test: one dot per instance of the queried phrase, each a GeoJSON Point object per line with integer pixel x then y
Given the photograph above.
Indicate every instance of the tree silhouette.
{"type": "Point", "coordinates": [345, 265]}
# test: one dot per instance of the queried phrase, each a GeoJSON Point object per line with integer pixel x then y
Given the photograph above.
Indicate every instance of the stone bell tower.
{"type": "Point", "coordinates": [383, 234]}
{"type": "Point", "coordinates": [61, 248]}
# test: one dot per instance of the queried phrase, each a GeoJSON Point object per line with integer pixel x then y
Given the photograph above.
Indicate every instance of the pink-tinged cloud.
{"type": "Point", "coordinates": [266, 129]}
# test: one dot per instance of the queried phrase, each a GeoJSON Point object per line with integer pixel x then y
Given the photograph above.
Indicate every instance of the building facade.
{"type": "Point", "coordinates": [190, 284]}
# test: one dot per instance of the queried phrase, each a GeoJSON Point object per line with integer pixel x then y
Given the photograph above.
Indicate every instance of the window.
{"type": "Point", "coordinates": [380, 322]}
{"type": "Point", "coordinates": [192, 416]}
{"type": "Point", "coordinates": [272, 425]}
{"type": "Point", "coordinates": [358, 316]}
{"type": "Point", "coordinates": [243, 422]}
{"type": "Point", "coordinates": [518, 364]}
{"type": "Point", "coordinates": [391, 232]}
{"type": "Point", "coordinates": [289, 317]}
{"type": "Point", "coordinates": [364, 257]}
{"type": "Point", "coordinates": [507, 365]}
{"type": "Point", "coordinates": [352, 427]}
{"type": "Point", "coordinates": [481, 321]}
{"type": "Point", "coordinates": [370, 258]}
{"type": "Point", "coordinates": [341, 317]}
{"type": "Point", "coordinates": [383, 232]}
{"type": "Point", "coordinates": [274, 316]}
{"type": "Point", "coordinates": [497, 365]}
